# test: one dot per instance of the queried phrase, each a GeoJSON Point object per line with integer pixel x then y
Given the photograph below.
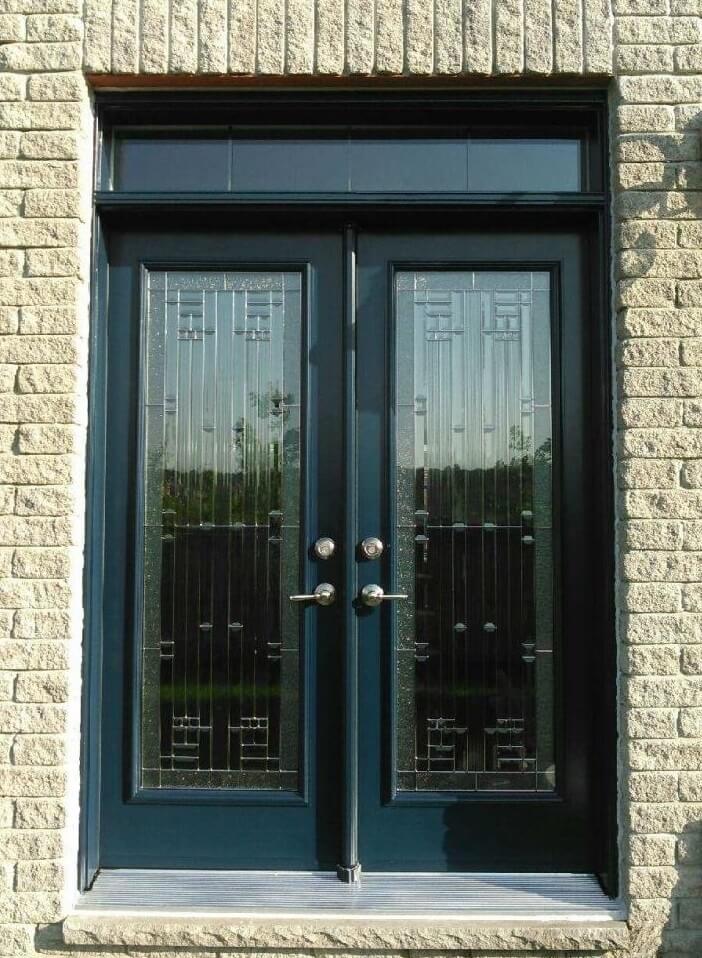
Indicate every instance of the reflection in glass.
{"type": "Point", "coordinates": [221, 530]}
{"type": "Point", "coordinates": [341, 160]}
{"type": "Point", "coordinates": [474, 531]}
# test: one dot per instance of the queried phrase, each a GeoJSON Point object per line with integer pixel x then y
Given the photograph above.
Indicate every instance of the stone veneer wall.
{"type": "Point", "coordinates": [46, 47]}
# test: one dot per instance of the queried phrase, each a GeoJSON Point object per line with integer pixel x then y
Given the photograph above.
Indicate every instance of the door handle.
{"type": "Point", "coordinates": [373, 595]}
{"type": "Point", "coordinates": [324, 594]}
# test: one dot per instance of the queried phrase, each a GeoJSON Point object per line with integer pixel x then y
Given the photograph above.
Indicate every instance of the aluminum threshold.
{"type": "Point", "coordinates": [411, 895]}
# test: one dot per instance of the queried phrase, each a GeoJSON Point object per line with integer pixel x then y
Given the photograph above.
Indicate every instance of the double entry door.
{"type": "Point", "coordinates": [348, 556]}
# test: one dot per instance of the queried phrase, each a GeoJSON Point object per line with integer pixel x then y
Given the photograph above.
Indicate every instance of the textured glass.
{"type": "Point", "coordinates": [220, 686]}
{"type": "Point", "coordinates": [474, 643]}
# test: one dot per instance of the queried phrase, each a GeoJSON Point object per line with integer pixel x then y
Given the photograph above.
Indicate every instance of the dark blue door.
{"type": "Point", "coordinates": [468, 578]}
{"type": "Point", "coordinates": [220, 730]}
{"type": "Point", "coordinates": [474, 399]}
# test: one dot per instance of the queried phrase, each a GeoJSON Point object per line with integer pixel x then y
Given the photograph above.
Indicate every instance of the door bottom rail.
{"type": "Point", "coordinates": [486, 896]}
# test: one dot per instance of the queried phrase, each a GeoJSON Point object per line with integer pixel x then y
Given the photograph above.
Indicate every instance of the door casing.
{"type": "Point", "coordinates": [587, 214]}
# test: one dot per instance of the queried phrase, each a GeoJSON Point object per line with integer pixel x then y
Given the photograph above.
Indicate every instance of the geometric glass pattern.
{"type": "Point", "coordinates": [473, 450]}
{"type": "Point", "coordinates": [222, 425]}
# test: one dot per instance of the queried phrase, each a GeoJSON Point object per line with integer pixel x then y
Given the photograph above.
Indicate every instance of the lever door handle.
{"type": "Point", "coordinates": [373, 595]}
{"type": "Point", "coordinates": [324, 594]}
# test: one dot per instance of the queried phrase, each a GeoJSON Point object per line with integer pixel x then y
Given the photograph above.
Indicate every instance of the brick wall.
{"type": "Point", "coordinates": [45, 158]}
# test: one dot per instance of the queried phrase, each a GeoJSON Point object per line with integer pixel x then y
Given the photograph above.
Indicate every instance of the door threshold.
{"type": "Point", "coordinates": [493, 897]}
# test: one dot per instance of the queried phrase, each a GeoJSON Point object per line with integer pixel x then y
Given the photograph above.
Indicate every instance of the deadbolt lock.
{"type": "Point", "coordinates": [372, 548]}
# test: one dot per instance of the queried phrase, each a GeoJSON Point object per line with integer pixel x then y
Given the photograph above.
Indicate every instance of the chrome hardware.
{"type": "Point", "coordinates": [324, 547]}
{"type": "Point", "coordinates": [324, 594]}
{"type": "Point", "coordinates": [372, 547]}
{"type": "Point", "coordinates": [373, 595]}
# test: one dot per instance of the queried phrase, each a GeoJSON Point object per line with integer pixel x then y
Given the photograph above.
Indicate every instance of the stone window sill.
{"type": "Point", "coordinates": [358, 934]}
{"type": "Point", "coordinates": [199, 909]}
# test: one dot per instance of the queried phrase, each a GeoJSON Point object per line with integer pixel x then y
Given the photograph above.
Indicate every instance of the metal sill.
{"type": "Point", "coordinates": [493, 897]}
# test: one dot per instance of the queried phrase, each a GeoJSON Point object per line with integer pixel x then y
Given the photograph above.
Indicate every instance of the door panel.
{"type": "Point", "coordinates": [475, 728]}
{"type": "Point", "coordinates": [223, 464]}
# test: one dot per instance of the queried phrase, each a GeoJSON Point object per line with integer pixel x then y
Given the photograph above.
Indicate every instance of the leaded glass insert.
{"type": "Point", "coordinates": [474, 531]}
{"type": "Point", "coordinates": [222, 422]}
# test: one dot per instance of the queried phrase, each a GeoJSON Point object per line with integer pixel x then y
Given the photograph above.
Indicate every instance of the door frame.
{"type": "Point", "coordinates": [589, 211]}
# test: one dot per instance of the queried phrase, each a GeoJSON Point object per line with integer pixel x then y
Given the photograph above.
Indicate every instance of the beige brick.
{"type": "Point", "coordinates": [54, 27]}
{"type": "Point", "coordinates": [21, 174]}
{"type": "Point", "coordinates": [691, 598]}
{"type": "Point", "coordinates": [12, 28]}
{"type": "Point", "coordinates": [47, 320]}
{"type": "Point", "coordinates": [651, 413]}
{"type": "Point", "coordinates": [41, 407]}
{"type": "Point", "coordinates": [31, 717]}
{"type": "Point", "coordinates": [692, 535]}
{"type": "Point", "coordinates": [659, 629]}
{"type": "Point", "coordinates": [39, 750]}
{"type": "Point", "coordinates": [688, 59]}
{"type": "Point", "coordinates": [39, 813]}
{"type": "Point", "coordinates": [40, 563]}
{"type": "Point", "coordinates": [39, 876]}
{"type": "Point", "coordinates": [37, 292]}
{"type": "Point", "coordinates": [56, 86]}
{"type": "Point", "coordinates": [662, 566]}
{"type": "Point", "coordinates": [644, 660]}
{"type": "Point", "coordinates": [647, 234]}
{"type": "Point", "coordinates": [691, 660]}
{"type": "Point", "coordinates": [691, 352]}
{"type": "Point", "coordinates": [652, 850]}
{"type": "Point", "coordinates": [24, 593]}
{"type": "Point", "coordinates": [34, 782]}
{"type": "Point", "coordinates": [31, 531]}
{"type": "Point", "coordinates": [649, 352]}
{"type": "Point", "coordinates": [658, 443]}
{"type": "Point", "coordinates": [652, 882]}
{"type": "Point", "coordinates": [657, 147]}
{"type": "Point", "coordinates": [691, 474]}
{"type": "Point", "coordinates": [41, 687]}
{"type": "Point", "coordinates": [691, 723]}
{"type": "Point", "coordinates": [52, 203]}
{"type": "Point", "coordinates": [680, 755]}
{"type": "Point", "coordinates": [645, 58]}
{"type": "Point", "coordinates": [651, 597]}
{"type": "Point", "coordinates": [36, 470]}
{"type": "Point", "coordinates": [652, 534]}
{"type": "Point", "coordinates": [29, 57]}
{"type": "Point", "coordinates": [51, 378]}
{"type": "Point", "coordinates": [652, 787]}
{"type": "Point", "coordinates": [647, 724]}
{"type": "Point", "coordinates": [647, 292]}
{"type": "Point", "coordinates": [47, 145]}
{"type": "Point", "coordinates": [34, 654]}
{"type": "Point", "coordinates": [41, 623]}
{"type": "Point", "coordinates": [692, 412]}
{"type": "Point", "coordinates": [647, 474]}
{"type": "Point", "coordinates": [29, 845]}
{"type": "Point", "coordinates": [40, 350]}
{"type": "Point", "coordinates": [44, 439]}
{"type": "Point", "coordinates": [54, 262]}
{"type": "Point", "coordinates": [690, 788]}
{"type": "Point", "coordinates": [660, 322]}
{"type": "Point", "coordinates": [681, 504]}
{"type": "Point", "coordinates": [43, 501]}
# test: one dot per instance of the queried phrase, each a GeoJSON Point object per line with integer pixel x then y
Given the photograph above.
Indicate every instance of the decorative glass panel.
{"type": "Point", "coordinates": [474, 532]}
{"type": "Point", "coordinates": [221, 530]}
